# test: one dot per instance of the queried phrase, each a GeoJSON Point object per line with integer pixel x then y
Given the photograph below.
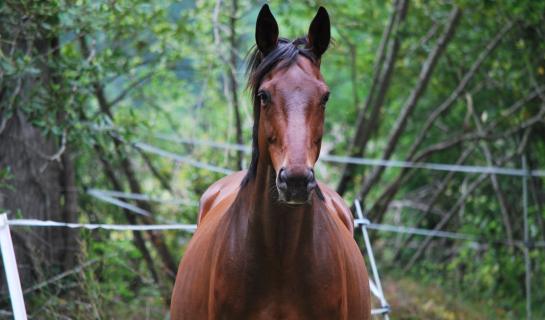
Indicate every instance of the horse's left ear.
{"type": "Point", "coordinates": [319, 33]}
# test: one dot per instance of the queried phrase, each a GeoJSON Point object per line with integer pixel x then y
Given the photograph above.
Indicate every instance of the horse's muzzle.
{"type": "Point", "coordinates": [295, 186]}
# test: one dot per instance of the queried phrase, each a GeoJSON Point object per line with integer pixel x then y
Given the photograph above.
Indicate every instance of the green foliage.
{"type": "Point", "coordinates": [111, 283]}
{"type": "Point", "coordinates": [5, 176]}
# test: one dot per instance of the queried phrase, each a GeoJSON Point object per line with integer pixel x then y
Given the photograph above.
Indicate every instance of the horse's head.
{"type": "Point", "coordinates": [290, 96]}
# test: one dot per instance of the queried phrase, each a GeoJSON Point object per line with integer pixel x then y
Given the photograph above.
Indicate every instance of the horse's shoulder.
{"type": "Point", "coordinates": [218, 191]}
{"type": "Point", "coordinates": [336, 205]}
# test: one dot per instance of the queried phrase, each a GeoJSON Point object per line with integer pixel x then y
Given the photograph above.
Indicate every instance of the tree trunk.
{"type": "Point", "coordinates": [233, 83]}
{"type": "Point", "coordinates": [35, 190]}
{"type": "Point", "coordinates": [37, 169]}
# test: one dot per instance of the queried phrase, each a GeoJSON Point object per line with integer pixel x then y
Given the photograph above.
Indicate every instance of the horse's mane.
{"type": "Point", "coordinates": [283, 56]}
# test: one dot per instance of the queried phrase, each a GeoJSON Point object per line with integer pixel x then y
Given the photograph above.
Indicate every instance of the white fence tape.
{"type": "Point", "coordinates": [143, 197]}
{"type": "Point", "coordinates": [92, 226]}
{"type": "Point", "coordinates": [192, 227]}
{"type": "Point", "coordinates": [374, 162]}
{"type": "Point", "coordinates": [119, 203]}
{"type": "Point", "coordinates": [440, 234]}
{"type": "Point", "coordinates": [176, 157]}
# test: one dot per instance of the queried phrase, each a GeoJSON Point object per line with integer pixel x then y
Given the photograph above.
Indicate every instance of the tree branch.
{"type": "Point", "coordinates": [162, 179]}
{"type": "Point", "coordinates": [536, 196]}
{"type": "Point", "coordinates": [435, 197]}
{"type": "Point", "coordinates": [458, 90]}
{"type": "Point", "coordinates": [409, 106]}
{"type": "Point", "coordinates": [462, 199]}
{"type": "Point", "coordinates": [138, 240]}
{"type": "Point", "coordinates": [488, 135]}
{"type": "Point", "coordinates": [380, 206]}
{"type": "Point", "coordinates": [377, 92]}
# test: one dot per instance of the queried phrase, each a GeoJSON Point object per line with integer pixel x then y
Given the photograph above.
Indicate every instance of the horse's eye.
{"type": "Point", "coordinates": [264, 97]}
{"type": "Point", "coordinates": [325, 98]}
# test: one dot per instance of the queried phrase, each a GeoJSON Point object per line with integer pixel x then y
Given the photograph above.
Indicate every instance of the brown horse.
{"type": "Point", "coordinates": [272, 242]}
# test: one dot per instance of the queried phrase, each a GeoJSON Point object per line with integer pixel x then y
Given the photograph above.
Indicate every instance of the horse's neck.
{"type": "Point", "coordinates": [278, 229]}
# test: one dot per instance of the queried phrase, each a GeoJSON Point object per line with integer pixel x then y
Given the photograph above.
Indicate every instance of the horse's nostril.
{"type": "Point", "coordinates": [310, 175]}
{"type": "Point", "coordinates": [311, 180]}
{"type": "Point", "coordinates": [282, 176]}
{"type": "Point", "coordinates": [282, 180]}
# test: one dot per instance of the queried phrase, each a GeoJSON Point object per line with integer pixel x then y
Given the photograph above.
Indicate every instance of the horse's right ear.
{"type": "Point", "coordinates": [266, 31]}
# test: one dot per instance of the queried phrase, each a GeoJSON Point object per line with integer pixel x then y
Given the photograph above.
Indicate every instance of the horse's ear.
{"type": "Point", "coordinates": [319, 32]}
{"type": "Point", "coordinates": [266, 31]}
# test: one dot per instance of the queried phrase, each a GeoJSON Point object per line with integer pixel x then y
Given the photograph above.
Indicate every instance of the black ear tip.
{"type": "Point", "coordinates": [265, 13]}
{"type": "Point", "coordinates": [322, 11]}
{"type": "Point", "coordinates": [322, 15]}
{"type": "Point", "coordinates": [265, 16]}
{"type": "Point", "coordinates": [265, 10]}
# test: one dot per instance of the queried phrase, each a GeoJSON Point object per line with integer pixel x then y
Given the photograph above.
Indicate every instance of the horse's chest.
{"type": "Point", "coordinates": [306, 302]}
{"type": "Point", "coordinates": [294, 309]}
{"type": "Point", "coordinates": [267, 289]}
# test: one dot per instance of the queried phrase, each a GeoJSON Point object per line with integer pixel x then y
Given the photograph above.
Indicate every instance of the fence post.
{"type": "Point", "coordinates": [527, 261]}
{"type": "Point", "coordinates": [12, 274]}
{"type": "Point", "coordinates": [385, 307]}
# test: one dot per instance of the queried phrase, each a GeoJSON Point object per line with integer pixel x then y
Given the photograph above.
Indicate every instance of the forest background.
{"type": "Point", "coordinates": [85, 86]}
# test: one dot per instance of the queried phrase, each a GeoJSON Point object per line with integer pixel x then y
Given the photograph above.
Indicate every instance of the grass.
{"type": "Point", "coordinates": [410, 299]}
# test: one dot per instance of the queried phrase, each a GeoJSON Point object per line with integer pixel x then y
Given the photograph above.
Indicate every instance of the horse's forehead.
{"type": "Point", "coordinates": [301, 76]}
{"type": "Point", "coordinates": [307, 67]}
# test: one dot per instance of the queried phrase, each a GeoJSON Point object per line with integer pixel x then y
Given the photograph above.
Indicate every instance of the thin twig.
{"type": "Point", "coordinates": [3, 123]}
{"type": "Point", "coordinates": [131, 86]}
{"type": "Point", "coordinates": [61, 276]}
{"type": "Point", "coordinates": [493, 178]}
{"type": "Point", "coordinates": [58, 154]}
